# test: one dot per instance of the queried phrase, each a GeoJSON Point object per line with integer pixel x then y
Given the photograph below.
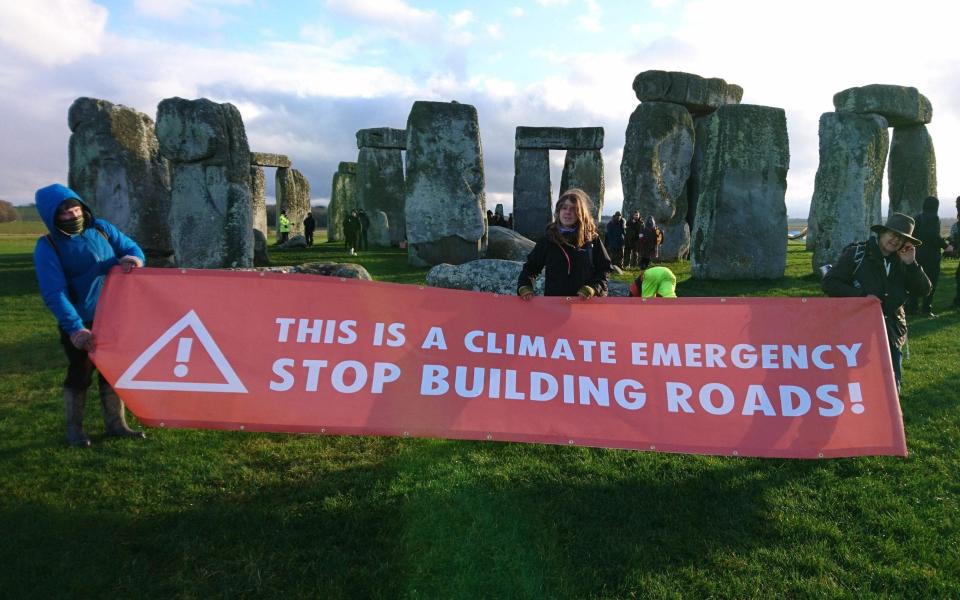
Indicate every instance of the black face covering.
{"type": "Point", "coordinates": [71, 226]}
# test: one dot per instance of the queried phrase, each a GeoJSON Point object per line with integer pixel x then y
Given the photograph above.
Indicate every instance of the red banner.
{"type": "Point", "coordinates": [776, 377]}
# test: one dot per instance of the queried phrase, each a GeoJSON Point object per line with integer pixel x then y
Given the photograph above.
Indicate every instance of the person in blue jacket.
{"type": "Point", "coordinates": [72, 262]}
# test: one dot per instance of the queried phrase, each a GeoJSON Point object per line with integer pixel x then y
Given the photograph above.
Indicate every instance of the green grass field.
{"type": "Point", "coordinates": [200, 514]}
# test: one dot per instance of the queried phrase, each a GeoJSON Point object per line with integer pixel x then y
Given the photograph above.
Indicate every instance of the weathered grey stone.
{"type": "Point", "coordinates": [261, 257]}
{"type": "Point", "coordinates": [345, 270]}
{"type": "Point", "coordinates": [618, 289]}
{"type": "Point", "coordinates": [532, 196]}
{"type": "Point", "coordinates": [912, 174]}
{"type": "Point", "coordinates": [484, 275]}
{"type": "Point", "coordinates": [740, 231]}
{"type": "Point", "coordinates": [898, 104]}
{"type": "Point", "coordinates": [846, 192]}
{"type": "Point", "coordinates": [211, 210]}
{"type": "Point", "coordinates": [584, 169]}
{"type": "Point", "coordinates": [116, 167]}
{"type": "Point", "coordinates": [258, 194]}
{"type": "Point", "coordinates": [560, 138]}
{"type": "Point", "coordinates": [445, 184]}
{"type": "Point", "coordinates": [698, 94]}
{"type": "Point", "coordinates": [694, 183]}
{"type": "Point", "coordinates": [379, 229]}
{"type": "Point", "coordinates": [656, 160]}
{"type": "Point", "coordinates": [326, 269]}
{"type": "Point", "coordinates": [297, 241]}
{"type": "Point", "coordinates": [380, 187]}
{"type": "Point", "coordinates": [343, 199]}
{"type": "Point", "coordinates": [676, 240]}
{"type": "Point", "coordinates": [382, 137]}
{"type": "Point", "coordinates": [263, 159]}
{"type": "Point", "coordinates": [507, 244]}
{"type": "Point", "coordinates": [293, 196]}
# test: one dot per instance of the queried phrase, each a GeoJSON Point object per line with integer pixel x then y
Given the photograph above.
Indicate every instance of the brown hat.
{"type": "Point", "coordinates": [898, 223]}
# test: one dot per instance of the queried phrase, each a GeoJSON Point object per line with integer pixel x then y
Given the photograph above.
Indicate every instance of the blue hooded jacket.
{"type": "Point", "coordinates": [72, 273]}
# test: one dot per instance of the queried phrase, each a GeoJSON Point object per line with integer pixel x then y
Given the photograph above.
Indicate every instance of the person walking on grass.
{"type": "Point", "coordinates": [885, 266]}
{"type": "Point", "coordinates": [309, 225]}
{"type": "Point", "coordinates": [929, 254]}
{"type": "Point", "coordinates": [72, 262]}
{"type": "Point", "coordinates": [615, 233]}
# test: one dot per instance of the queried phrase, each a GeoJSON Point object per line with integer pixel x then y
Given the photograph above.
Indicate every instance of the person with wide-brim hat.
{"type": "Point", "coordinates": [884, 266]}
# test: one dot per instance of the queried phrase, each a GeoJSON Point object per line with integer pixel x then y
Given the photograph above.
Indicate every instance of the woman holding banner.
{"type": "Point", "coordinates": [575, 260]}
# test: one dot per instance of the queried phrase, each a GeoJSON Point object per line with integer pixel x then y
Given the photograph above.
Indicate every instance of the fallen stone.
{"type": "Point", "coordinates": [326, 269]}
{"type": "Point", "coordinates": [899, 105]}
{"type": "Point", "coordinates": [507, 244]}
{"type": "Point", "coordinates": [698, 94]}
{"type": "Point", "coordinates": [297, 241]}
{"type": "Point", "coordinates": [484, 275]}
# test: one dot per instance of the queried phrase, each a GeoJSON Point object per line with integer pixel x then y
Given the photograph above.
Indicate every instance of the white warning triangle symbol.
{"type": "Point", "coordinates": [190, 320]}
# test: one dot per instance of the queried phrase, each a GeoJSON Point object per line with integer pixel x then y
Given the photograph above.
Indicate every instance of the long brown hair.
{"type": "Point", "coordinates": [586, 227]}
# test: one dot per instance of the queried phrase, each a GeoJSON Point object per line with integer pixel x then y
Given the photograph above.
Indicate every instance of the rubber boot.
{"type": "Point", "coordinates": [74, 402]}
{"type": "Point", "coordinates": [113, 418]}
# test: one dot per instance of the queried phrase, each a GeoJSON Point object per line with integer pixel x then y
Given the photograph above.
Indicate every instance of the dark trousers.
{"type": "Point", "coordinates": [308, 234]}
{"type": "Point", "coordinates": [79, 366]}
{"type": "Point", "coordinates": [616, 255]}
{"type": "Point", "coordinates": [896, 356]}
{"type": "Point", "coordinates": [933, 273]}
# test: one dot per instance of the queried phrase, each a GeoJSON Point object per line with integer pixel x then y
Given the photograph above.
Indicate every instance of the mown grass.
{"type": "Point", "coordinates": [198, 514]}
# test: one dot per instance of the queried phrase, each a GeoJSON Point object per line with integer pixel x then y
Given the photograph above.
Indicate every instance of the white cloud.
{"type": "Point", "coordinates": [549, 3]}
{"type": "Point", "coordinates": [495, 31]}
{"type": "Point", "coordinates": [516, 11]}
{"type": "Point", "coordinates": [384, 12]}
{"type": "Point", "coordinates": [164, 9]}
{"type": "Point", "coordinates": [591, 20]}
{"type": "Point", "coordinates": [53, 32]}
{"type": "Point", "coordinates": [462, 18]}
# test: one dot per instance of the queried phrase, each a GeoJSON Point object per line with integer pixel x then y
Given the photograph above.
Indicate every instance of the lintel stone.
{"type": "Point", "coordinates": [264, 159]}
{"type": "Point", "coordinates": [382, 137]}
{"type": "Point", "coordinates": [560, 138]}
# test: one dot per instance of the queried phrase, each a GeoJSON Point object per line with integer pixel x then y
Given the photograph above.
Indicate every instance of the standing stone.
{"type": "Point", "coordinates": [898, 104]}
{"type": "Point", "coordinates": [698, 94]}
{"type": "Point", "coordinates": [259, 195]}
{"type": "Point", "coordinates": [507, 244]}
{"type": "Point", "coordinates": [847, 190]}
{"type": "Point", "coordinates": [379, 229]}
{"type": "Point", "coordinates": [656, 159]}
{"type": "Point", "coordinates": [343, 199]}
{"type": "Point", "coordinates": [211, 211]}
{"type": "Point", "coordinates": [740, 230]}
{"type": "Point", "coordinates": [380, 183]}
{"type": "Point", "coordinates": [445, 184]}
{"type": "Point", "coordinates": [116, 167]}
{"type": "Point", "coordinates": [584, 169]}
{"type": "Point", "coordinates": [293, 196]}
{"type": "Point", "coordinates": [261, 258]}
{"type": "Point", "coordinates": [532, 196]}
{"type": "Point", "coordinates": [913, 169]}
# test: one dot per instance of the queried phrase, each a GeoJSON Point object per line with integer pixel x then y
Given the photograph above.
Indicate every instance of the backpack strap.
{"type": "Point", "coordinates": [53, 244]}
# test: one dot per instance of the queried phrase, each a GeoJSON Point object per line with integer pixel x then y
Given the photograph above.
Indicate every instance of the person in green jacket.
{"type": "Point", "coordinates": [283, 227]}
{"type": "Point", "coordinates": [653, 282]}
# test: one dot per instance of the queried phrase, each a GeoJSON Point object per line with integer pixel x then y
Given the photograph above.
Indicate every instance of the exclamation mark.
{"type": "Point", "coordinates": [183, 356]}
{"type": "Point", "coordinates": [856, 399]}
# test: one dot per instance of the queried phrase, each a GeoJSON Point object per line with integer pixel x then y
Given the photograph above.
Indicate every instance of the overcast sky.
{"type": "Point", "coordinates": [306, 75]}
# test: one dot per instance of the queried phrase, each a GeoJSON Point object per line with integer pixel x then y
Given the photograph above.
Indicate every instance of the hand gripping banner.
{"type": "Point", "coordinates": [775, 377]}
